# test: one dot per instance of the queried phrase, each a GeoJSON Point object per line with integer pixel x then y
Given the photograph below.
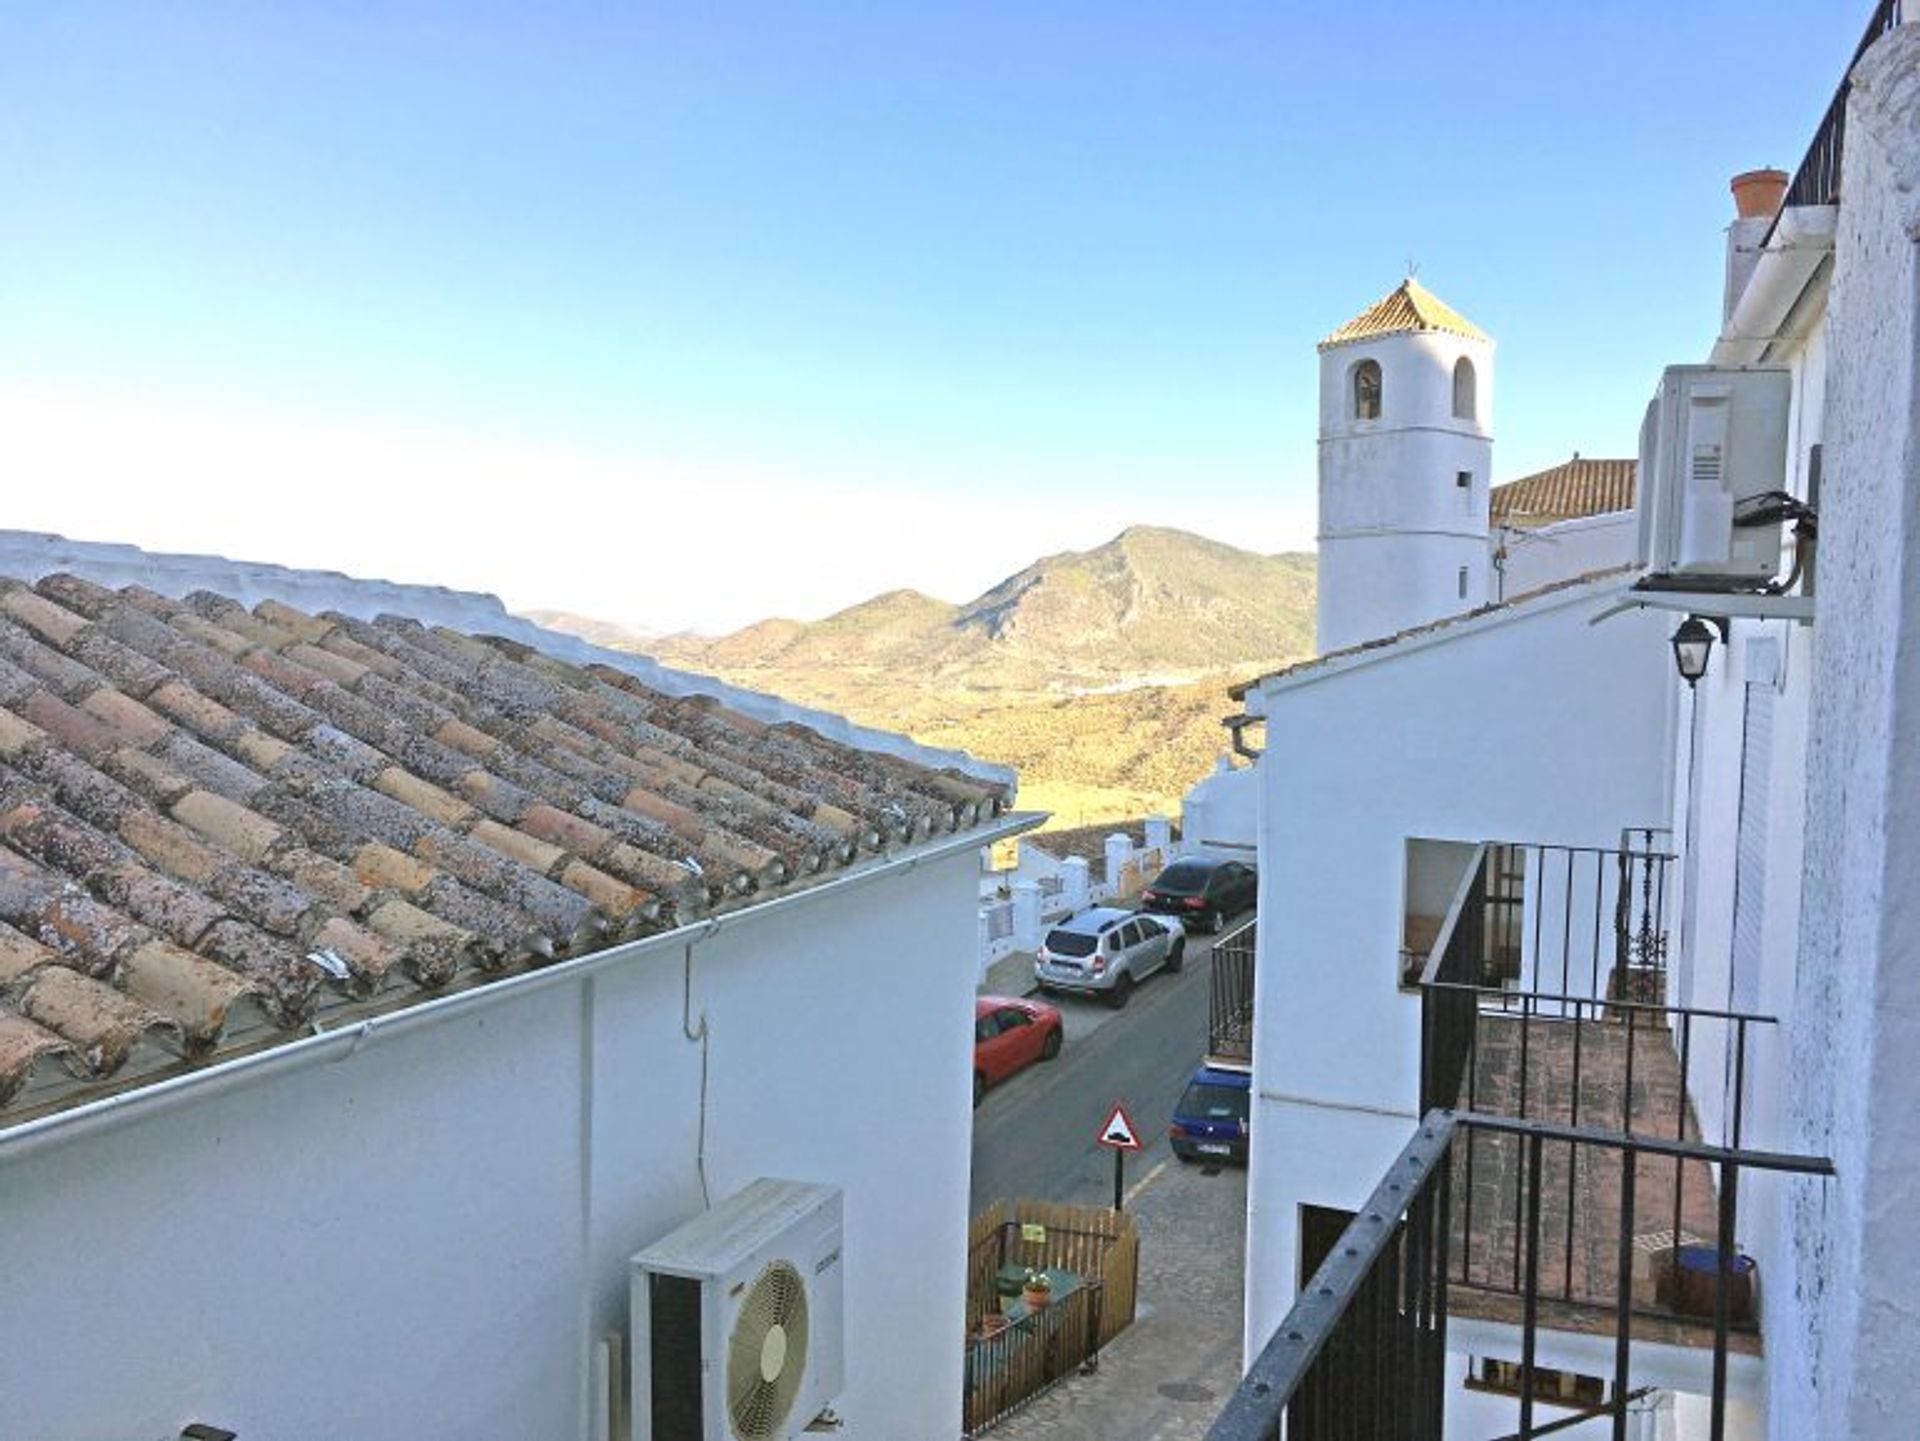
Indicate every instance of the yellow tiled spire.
{"type": "Point", "coordinates": [1410, 307]}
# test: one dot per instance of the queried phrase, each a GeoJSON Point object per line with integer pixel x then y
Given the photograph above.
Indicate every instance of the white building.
{"type": "Point", "coordinates": [1406, 448]}
{"type": "Point", "coordinates": [1783, 786]}
{"type": "Point", "coordinates": [371, 992]}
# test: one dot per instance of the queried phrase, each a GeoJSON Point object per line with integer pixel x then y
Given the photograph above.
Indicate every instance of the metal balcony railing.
{"type": "Point", "coordinates": [1596, 1047]}
{"type": "Point", "coordinates": [1230, 1008]}
{"type": "Point", "coordinates": [1817, 181]}
{"type": "Point", "coordinates": [1361, 1356]}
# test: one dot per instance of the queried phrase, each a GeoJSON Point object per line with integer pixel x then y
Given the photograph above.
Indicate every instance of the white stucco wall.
{"type": "Point", "coordinates": [426, 1238]}
{"type": "Point", "coordinates": [1220, 815]}
{"type": "Point", "coordinates": [1551, 553]}
{"type": "Point", "coordinates": [1395, 528]}
{"type": "Point", "coordinates": [1525, 724]}
{"type": "Point", "coordinates": [1844, 1355]}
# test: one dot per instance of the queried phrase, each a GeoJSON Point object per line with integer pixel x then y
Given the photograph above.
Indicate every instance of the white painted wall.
{"type": "Point", "coordinates": [1526, 723]}
{"type": "Point", "coordinates": [1842, 1342]}
{"type": "Point", "coordinates": [426, 1238]}
{"type": "Point", "coordinates": [1220, 815]}
{"type": "Point", "coordinates": [1395, 527]}
{"type": "Point", "coordinates": [1524, 560]}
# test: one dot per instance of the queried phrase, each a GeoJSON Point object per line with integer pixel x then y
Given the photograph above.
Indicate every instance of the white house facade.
{"type": "Point", "coordinates": [1549, 851]}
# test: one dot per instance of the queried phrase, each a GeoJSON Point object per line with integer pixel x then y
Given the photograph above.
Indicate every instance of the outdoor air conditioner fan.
{"type": "Point", "coordinates": [767, 1353]}
{"type": "Point", "coordinates": [736, 1319]}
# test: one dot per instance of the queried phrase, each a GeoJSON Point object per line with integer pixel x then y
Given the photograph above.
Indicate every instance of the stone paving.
{"type": "Point", "coordinates": [1168, 1375]}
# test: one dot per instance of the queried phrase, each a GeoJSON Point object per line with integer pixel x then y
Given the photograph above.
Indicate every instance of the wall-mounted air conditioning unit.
{"type": "Point", "coordinates": [1713, 449]}
{"type": "Point", "coordinates": [736, 1318]}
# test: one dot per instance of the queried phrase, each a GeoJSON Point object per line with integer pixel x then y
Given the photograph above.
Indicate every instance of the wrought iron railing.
{"type": "Point", "coordinates": [1230, 1008]}
{"type": "Point", "coordinates": [1361, 1354]}
{"type": "Point", "coordinates": [1011, 1360]}
{"type": "Point", "coordinates": [1528, 922]}
{"type": "Point", "coordinates": [1817, 181]}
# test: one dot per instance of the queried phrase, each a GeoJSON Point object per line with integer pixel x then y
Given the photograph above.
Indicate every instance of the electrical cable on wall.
{"type": "Point", "coordinates": [701, 1035]}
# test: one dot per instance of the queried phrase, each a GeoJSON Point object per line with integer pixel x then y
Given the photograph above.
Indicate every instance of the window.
{"type": "Point", "coordinates": [1366, 390]}
{"type": "Point", "coordinates": [1463, 389]}
{"type": "Point", "coordinates": [1463, 479]}
{"type": "Point", "coordinates": [1463, 582]}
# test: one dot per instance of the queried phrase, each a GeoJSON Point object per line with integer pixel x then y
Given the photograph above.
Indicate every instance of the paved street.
{"type": "Point", "coordinates": [1034, 1134]}
{"type": "Point", "coordinates": [1166, 1376]}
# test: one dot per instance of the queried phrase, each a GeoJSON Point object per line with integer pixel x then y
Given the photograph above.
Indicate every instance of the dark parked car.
{"type": "Point", "coordinates": [1202, 892]}
{"type": "Point", "coordinates": [1210, 1120]}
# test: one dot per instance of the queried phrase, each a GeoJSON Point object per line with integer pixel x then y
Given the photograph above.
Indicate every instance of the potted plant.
{"type": "Point", "coordinates": [1037, 1289]}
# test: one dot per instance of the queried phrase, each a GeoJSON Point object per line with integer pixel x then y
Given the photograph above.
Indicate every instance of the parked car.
{"type": "Point", "coordinates": [1010, 1035]}
{"type": "Point", "coordinates": [1210, 1118]}
{"type": "Point", "coordinates": [1202, 892]}
{"type": "Point", "coordinates": [1106, 951]}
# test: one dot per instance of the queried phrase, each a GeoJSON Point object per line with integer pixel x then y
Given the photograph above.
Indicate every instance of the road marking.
{"type": "Point", "coordinates": [1145, 1181]}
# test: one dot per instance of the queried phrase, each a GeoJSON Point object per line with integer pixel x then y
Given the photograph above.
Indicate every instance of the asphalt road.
{"type": "Point", "coordinates": [1034, 1135]}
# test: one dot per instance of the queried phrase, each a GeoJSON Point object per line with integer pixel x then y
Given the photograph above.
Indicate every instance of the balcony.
{"type": "Point", "coordinates": [1562, 1181]}
{"type": "Point", "coordinates": [1230, 997]}
{"type": "Point", "coordinates": [1362, 1354]}
{"type": "Point", "coordinates": [1544, 999]}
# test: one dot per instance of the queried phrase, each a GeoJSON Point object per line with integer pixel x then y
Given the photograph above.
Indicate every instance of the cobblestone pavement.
{"type": "Point", "coordinates": [1166, 1376]}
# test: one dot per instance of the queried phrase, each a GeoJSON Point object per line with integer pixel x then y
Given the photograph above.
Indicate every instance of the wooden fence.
{"type": "Point", "coordinates": [1100, 1246]}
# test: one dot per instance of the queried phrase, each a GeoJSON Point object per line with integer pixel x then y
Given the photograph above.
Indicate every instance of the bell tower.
{"type": "Point", "coordinates": [1406, 446]}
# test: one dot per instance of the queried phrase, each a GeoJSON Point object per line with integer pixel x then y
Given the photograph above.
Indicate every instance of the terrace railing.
{"type": "Point", "coordinates": [1817, 181]}
{"type": "Point", "coordinates": [1362, 1353]}
{"type": "Point", "coordinates": [1230, 1007]}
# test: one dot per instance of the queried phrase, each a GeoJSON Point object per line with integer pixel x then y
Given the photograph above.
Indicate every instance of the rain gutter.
{"type": "Point", "coordinates": [125, 1107]}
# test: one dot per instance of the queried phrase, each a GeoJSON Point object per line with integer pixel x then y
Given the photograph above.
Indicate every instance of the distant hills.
{"type": "Point", "coordinates": [1149, 605]}
{"type": "Point", "coordinates": [1101, 674]}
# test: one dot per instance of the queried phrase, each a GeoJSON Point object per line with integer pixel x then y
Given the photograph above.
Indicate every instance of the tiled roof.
{"type": "Point", "coordinates": [1410, 307]}
{"type": "Point", "coordinates": [219, 826]}
{"type": "Point", "coordinates": [1568, 491]}
{"type": "Point", "coordinates": [1445, 622]}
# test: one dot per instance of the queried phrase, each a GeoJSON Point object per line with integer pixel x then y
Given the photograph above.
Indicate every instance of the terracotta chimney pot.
{"type": "Point", "coordinates": [1757, 193]}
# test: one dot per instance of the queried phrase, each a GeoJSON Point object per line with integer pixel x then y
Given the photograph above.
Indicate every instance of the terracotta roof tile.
{"type": "Point", "coordinates": [1409, 307]}
{"type": "Point", "coordinates": [1568, 491]}
{"type": "Point", "coordinates": [218, 823]}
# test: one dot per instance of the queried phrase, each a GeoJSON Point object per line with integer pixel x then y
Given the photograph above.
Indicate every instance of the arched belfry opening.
{"type": "Point", "coordinates": [1465, 390]}
{"type": "Point", "coordinates": [1366, 390]}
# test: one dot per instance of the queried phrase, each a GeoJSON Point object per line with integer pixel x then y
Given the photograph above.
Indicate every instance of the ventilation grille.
{"type": "Point", "coordinates": [767, 1354]}
{"type": "Point", "coordinates": [675, 1352]}
{"type": "Point", "coordinates": [1706, 465]}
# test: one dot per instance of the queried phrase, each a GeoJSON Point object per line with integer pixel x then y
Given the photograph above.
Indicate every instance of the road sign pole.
{"type": "Point", "coordinates": [1119, 1168]}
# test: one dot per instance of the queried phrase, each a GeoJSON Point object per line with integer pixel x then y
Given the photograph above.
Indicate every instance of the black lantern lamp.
{"type": "Point", "coordinates": [1693, 645]}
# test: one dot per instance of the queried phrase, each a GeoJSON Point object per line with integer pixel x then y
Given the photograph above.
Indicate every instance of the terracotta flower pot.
{"type": "Point", "coordinates": [1035, 1297]}
{"type": "Point", "coordinates": [1757, 193]}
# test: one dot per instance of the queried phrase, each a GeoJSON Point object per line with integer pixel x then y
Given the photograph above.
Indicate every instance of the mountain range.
{"type": "Point", "coordinates": [1101, 674]}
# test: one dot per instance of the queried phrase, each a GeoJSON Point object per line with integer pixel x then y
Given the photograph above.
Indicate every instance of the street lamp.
{"type": "Point", "coordinates": [1692, 645]}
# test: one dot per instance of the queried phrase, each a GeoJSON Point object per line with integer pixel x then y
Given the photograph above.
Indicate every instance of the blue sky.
{"type": "Point", "coordinates": [689, 313]}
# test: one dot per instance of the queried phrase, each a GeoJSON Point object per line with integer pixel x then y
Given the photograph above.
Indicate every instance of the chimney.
{"type": "Point", "coordinates": [1756, 197]}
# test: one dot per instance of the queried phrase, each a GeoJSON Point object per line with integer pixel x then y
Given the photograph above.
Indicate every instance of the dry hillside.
{"type": "Point", "coordinates": [1101, 674]}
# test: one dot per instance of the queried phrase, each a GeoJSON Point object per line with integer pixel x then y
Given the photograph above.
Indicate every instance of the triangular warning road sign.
{"type": "Point", "coordinates": [1119, 1132]}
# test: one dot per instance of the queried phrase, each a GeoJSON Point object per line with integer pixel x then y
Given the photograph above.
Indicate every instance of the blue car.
{"type": "Point", "coordinates": [1210, 1119]}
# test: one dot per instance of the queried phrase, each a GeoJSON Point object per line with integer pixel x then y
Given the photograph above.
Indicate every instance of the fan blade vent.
{"type": "Point", "coordinates": [767, 1354]}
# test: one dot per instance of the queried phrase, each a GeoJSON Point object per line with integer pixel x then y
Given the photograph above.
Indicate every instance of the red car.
{"type": "Point", "coordinates": [1009, 1035]}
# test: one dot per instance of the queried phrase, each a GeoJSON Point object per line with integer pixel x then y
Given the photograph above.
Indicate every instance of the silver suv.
{"type": "Point", "coordinates": [1106, 951]}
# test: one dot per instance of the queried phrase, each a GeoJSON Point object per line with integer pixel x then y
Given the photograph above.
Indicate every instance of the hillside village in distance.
{"type": "Point", "coordinates": [425, 1022]}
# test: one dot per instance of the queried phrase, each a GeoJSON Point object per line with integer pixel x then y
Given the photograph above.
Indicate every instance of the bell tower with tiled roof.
{"type": "Point", "coordinates": [1406, 446]}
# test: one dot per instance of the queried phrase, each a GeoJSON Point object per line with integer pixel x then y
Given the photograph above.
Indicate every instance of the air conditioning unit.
{"type": "Point", "coordinates": [736, 1318]}
{"type": "Point", "coordinates": [1713, 459]}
